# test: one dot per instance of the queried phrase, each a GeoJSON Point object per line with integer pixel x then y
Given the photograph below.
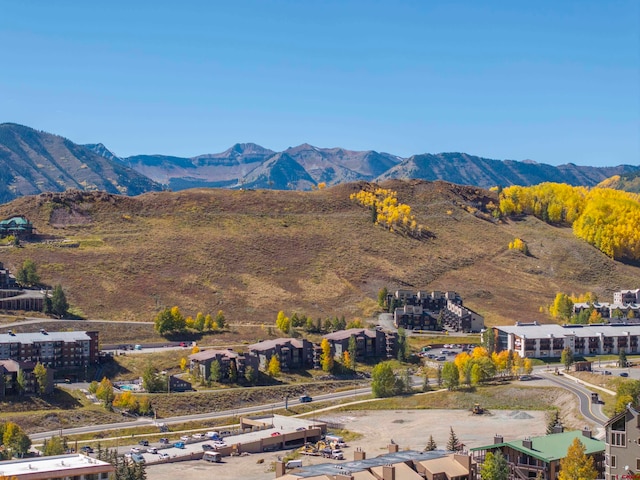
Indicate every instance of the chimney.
{"type": "Point", "coordinates": [280, 469]}
{"type": "Point", "coordinates": [393, 448]}
{"type": "Point", "coordinates": [557, 428]}
{"type": "Point", "coordinates": [586, 431]}
{"type": "Point", "coordinates": [359, 454]}
{"type": "Point", "coordinates": [464, 460]}
{"type": "Point", "coordinates": [527, 443]}
{"type": "Point", "coordinates": [498, 439]}
{"type": "Point", "coordinates": [388, 472]}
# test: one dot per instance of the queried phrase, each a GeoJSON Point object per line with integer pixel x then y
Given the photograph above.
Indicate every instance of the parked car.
{"type": "Point", "coordinates": [305, 399]}
{"type": "Point", "coordinates": [153, 450]}
{"type": "Point", "coordinates": [441, 358]}
{"type": "Point", "coordinates": [525, 378]}
{"type": "Point", "coordinates": [163, 456]}
{"type": "Point", "coordinates": [164, 441]}
{"type": "Point", "coordinates": [86, 449]}
{"type": "Point", "coordinates": [207, 447]}
{"type": "Point", "coordinates": [606, 372]}
{"type": "Point", "coordinates": [137, 458]}
{"type": "Point", "coordinates": [179, 444]}
{"type": "Point", "coordinates": [624, 374]}
{"type": "Point", "coordinates": [144, 443]}
{"type": "Point", "coordinates": [276, 434]}
{"type": "Point", "coordinates": [185, 438]}
{"type": "Point", "coordinates": [135, 450]}
{"type": "Point", "coordinates": [198, 436]}
{"type": "Point", "coordinates": [213, 435]}
{"type": "Point", "coordinates": [219, 444]}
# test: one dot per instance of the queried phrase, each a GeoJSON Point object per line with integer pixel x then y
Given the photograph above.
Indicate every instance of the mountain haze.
{"type": "Point", "coordinates": [32, 162]}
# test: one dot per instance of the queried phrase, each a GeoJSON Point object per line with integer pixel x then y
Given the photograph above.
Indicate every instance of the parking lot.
{"type": "Point", "coordinates": [409, 429]}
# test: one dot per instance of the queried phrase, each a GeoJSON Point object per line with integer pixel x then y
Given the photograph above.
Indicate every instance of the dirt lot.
{"type": "Point", "coordinates": [408, 428]}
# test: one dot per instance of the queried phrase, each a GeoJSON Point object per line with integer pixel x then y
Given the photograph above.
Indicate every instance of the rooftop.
{"type": "Point", "coordinates": [57, 463]}
{"type": "Point", "coordinates": [269, 344]}
{"type": "Point", "coordinates": [531, 330]}
{"type": "Point", "coordinates": [344, 334]}
{"type": "Point", "coordinates": [551, 447]}
{"type": "Point", "coordinates": [34, 337]}
{"type": "Point", "coordinates": [212, 353]}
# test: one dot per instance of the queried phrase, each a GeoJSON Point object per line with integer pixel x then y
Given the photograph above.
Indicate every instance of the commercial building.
{"type": "Point", "coordinates": [395, 465]}
{"type": "Point", "coordinates": [76, 467]}
{"type": "Point", "coordinates": [536, 340]}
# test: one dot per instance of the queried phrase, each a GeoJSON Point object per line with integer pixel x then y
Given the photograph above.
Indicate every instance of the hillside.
{"type": "Point", "coordinates": [466, 169]}
{"type": "Point", "coordinates": [32, 162]}
{"type": "Point", "coordinates": [252, 253]}
{"type": "Point", "coordinates": [629, 182]}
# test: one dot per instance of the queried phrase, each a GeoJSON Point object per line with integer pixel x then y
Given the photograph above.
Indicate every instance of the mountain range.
{"type": "Point", "coordinates": [32, 162]}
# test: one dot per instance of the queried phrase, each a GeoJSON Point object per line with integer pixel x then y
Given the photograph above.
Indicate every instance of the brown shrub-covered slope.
{"type": "Point", "coordinates": [252, 253]}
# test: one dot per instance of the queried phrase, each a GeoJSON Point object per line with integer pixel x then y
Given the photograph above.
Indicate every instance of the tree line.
{"type": "Point", "coordinates": [171, 320]}
{"type": "Point", "coordinates": [605, 218]}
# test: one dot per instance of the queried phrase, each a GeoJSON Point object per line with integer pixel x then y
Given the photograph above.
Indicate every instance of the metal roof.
{"type": "Point", "coordinates": [551, 447]}
{"type": "Point", "coordinates": [66, 337]}
{"type": "Point", "coordinates": [532, 331]}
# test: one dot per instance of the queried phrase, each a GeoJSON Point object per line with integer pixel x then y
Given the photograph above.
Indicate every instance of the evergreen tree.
{"type": "Point", "coordinates": [221, 320]}
{"type": "Point", "coordinates": [425, 385]}
{"type": "Point", "coordinates": [352, 349]}
{"type": "Point", "coordinates": [27, 275]}
{"type": "Point", "coordinates": [622, 358]}
{"type": "Point", "coordinates": [554, 419]}
{"type": "Point", "coordinates": [59, 304]}
{"type": "Point", "coordinates": [250, 375]}
{"type": "Point", "coordinates": [215, 372]}
{"type": "Point", "coordinates": [453, 444]}
{"type": "Point", "coordinates": [402, 345]}
{"type": "Point", "coordinates": [431, 445]}
{"type": "Point", "coordinates": [382, 297]}
{"type": "Point", "coordinates": [495, 467]}
{"type": "Point", "coordinates": [567, 358]}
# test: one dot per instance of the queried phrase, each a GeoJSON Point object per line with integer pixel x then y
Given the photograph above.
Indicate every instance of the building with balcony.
{"type": "Point", "coordinates": [293, 353]}
{"type": "Point", "coordinates": [370, 344]}
{"type": "Point", "coordinates": [58, 350]}
{"type": "Point", "coordinates": [539, 457]}
{"type": "Point", "coordinates": [622, 438]}
{"type": "Point", "coordinates": [534, 340]}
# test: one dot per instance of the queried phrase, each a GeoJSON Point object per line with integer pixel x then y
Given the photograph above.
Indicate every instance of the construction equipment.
{"type": "Point", "coordinates": [309, 449]}
{"type": "Point", "coordinates": [477, 409]}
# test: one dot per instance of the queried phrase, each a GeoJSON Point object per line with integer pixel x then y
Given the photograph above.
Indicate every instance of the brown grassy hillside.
{"type": "Point", "coordinates": [252, 253]}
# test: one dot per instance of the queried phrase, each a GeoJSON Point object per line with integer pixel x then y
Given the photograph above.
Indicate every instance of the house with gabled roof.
{"type": "Point", "coordinates": [622, 438]}
{"type": "Point", "coordinates": [541, 455]}
{"type": "Point", "coordinates": [18, 226]}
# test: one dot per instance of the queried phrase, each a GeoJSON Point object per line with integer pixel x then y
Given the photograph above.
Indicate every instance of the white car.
{"type": "Point", "coordinates": [135, 450]}
{"type": "Point", "coordinates": [198, 436]}
{"type": "Point", "coordinates": [219, 444]}
{"type": "Point", "coordinates": [185, 438]}
{"type": "Point", "coordinates": [163, 456]}
{"type": "Point", "coordinates": [152, 450]}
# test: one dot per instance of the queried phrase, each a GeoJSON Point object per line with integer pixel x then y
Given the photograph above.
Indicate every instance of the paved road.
{"type": "Point", "coordinates": [38, 437]}
{"type": "Point", "coordinates": [589, 410]}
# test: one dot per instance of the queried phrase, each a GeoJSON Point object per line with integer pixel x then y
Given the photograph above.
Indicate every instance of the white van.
{"type": "Point", "coordinates": [294, 464]}
{"type": "Point", "coordinates": [212, 457]}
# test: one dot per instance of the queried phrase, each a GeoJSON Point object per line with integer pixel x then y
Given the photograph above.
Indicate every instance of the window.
{"type": "Point", "coordinates": [613, 461]}
{"type": "Point", "coordinates": [618, 439]}
{"type": "Point", "coordinates": [637, 463]}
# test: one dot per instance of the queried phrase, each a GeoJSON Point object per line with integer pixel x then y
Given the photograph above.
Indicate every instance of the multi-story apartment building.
{"type": "Point", "coordinates": [535, 340]}
{"type": "Point", "coordinates": [58, 350]}
{"type": "Point", "coordinates": [293, 353]}
{"type": "Point", "coordinates": [369, 343]}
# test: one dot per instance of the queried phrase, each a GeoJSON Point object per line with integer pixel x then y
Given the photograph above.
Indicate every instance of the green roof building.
{"type": "Point", "coordinates": [535, 456]}
{"type": "Point", "coordinates": [17, 226]}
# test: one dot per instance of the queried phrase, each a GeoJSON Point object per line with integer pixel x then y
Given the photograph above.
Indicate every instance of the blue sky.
{"type": "Point", "coordinates": [555, 82]}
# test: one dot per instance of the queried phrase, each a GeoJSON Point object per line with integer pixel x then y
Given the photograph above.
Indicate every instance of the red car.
{"type": "Point", "coordinates": [275, 434]}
